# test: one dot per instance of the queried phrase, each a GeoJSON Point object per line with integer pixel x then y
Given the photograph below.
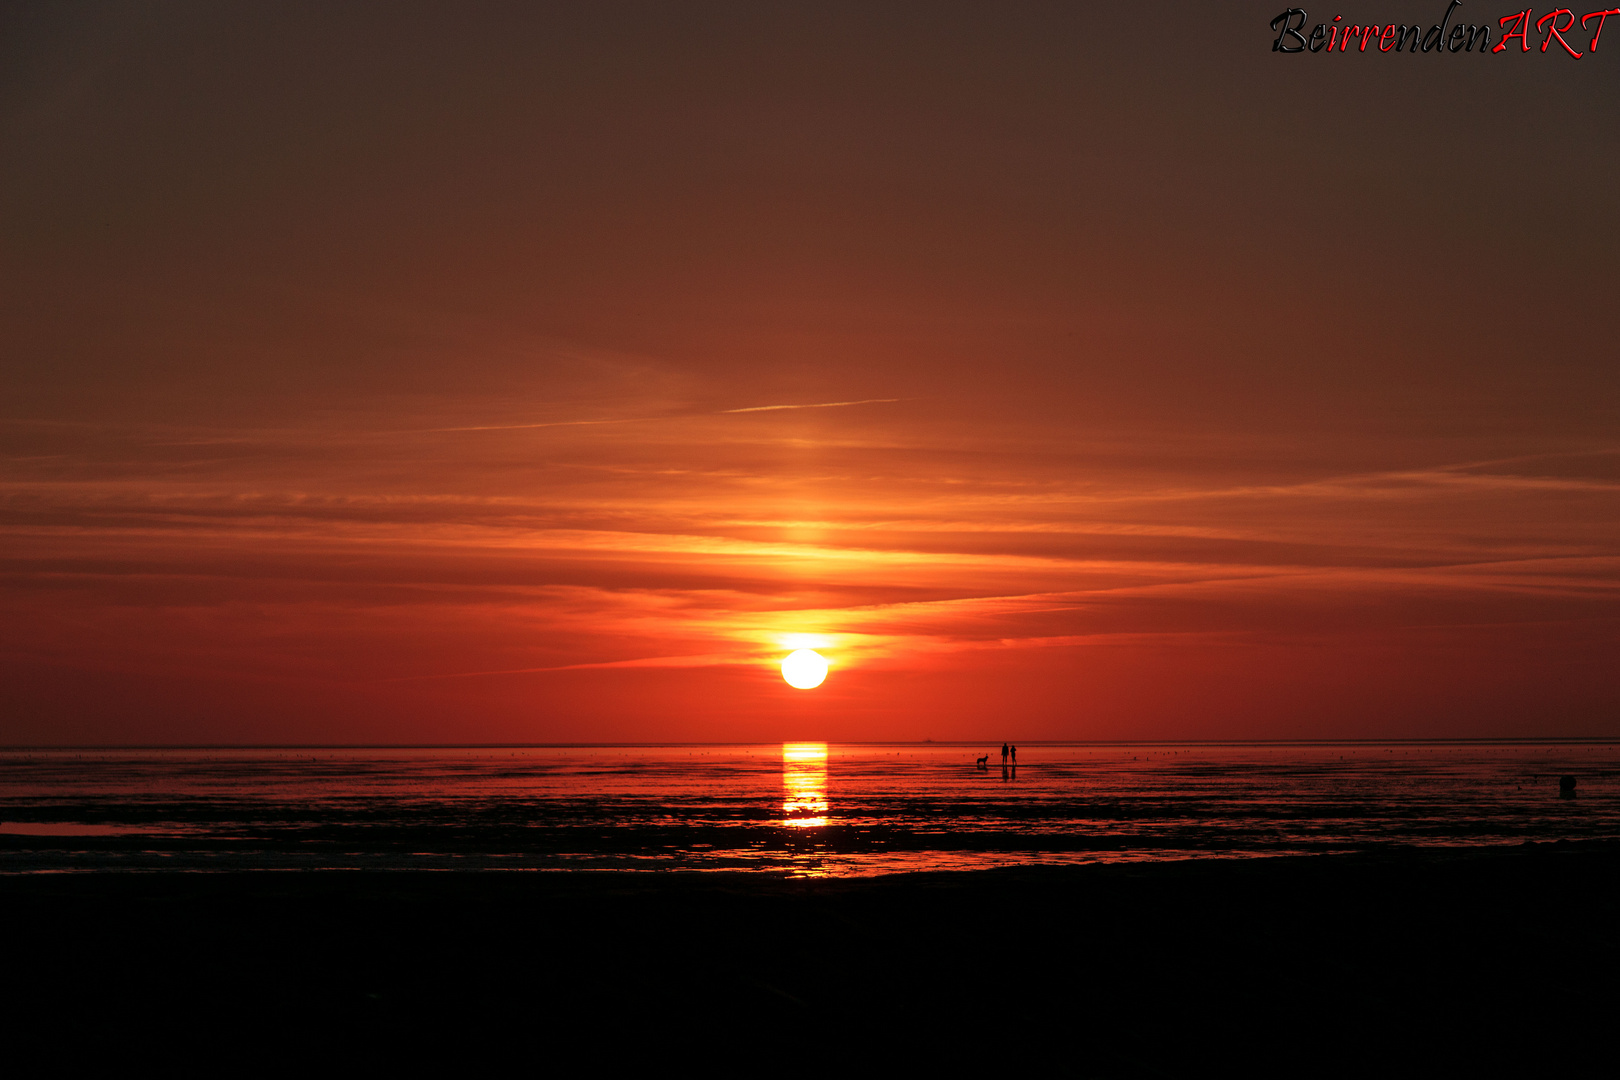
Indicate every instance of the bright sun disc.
{"type": "Point", "coordinates": [804, 669]}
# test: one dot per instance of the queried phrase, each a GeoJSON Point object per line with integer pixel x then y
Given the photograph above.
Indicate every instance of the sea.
{"type": "Point", "coordinates": [796, 809]}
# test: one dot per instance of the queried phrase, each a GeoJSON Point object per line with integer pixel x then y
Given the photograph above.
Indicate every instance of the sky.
{"type": "Point", "coordinates": [475, 373]}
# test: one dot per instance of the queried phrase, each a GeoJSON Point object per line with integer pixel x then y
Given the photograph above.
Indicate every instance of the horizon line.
{"type": "Point", "coordinates": [1461, 741]}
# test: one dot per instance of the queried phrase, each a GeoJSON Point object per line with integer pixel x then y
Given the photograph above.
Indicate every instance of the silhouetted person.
{"type": "Point", "coordinates": [1566, 787]}
{"type": "Point", "coordinates": [1015, 757]}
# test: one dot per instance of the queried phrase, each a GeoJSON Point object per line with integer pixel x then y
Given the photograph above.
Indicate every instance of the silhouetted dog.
{"type": "Point", "coordinates": [984, 762]}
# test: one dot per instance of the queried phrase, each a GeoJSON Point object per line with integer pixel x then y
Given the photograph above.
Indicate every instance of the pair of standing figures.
{"type": "Point", "coordinates": [1005, 752]}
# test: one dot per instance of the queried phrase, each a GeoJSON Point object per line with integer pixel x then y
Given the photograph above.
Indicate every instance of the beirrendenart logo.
{"type": "Point", "coordinates": [1445, 35]}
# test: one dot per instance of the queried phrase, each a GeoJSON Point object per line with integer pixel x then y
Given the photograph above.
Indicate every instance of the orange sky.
{"type": "Point", "coordinates": [413, 374]}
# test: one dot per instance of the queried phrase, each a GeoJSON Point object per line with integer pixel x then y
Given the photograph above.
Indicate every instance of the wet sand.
{"type": "Point", "coordinates": [799, 808]}
{"type": "Point", "coordinates": [1351, 965]}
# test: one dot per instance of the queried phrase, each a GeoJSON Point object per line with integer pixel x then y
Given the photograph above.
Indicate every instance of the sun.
{"type": "Point", "coordinates": [804, 669]}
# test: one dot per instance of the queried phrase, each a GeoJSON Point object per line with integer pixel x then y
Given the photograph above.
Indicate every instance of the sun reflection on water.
{"type": "Point", "coordinates": [804, 784]}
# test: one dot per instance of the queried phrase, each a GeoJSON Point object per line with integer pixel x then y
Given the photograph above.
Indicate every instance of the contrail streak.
{"type": "Point", "coordinates": [819, 405]}
{"type": "Point", "coordinates": [678, 416]}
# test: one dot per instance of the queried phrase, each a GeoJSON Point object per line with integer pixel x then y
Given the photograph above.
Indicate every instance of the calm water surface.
{"type": "Point", "coordinates": [799, 808]}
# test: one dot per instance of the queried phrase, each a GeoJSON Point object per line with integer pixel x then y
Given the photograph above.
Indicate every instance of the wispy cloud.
{"type": "Point", "coordinates": [699, 660]}
{"type": "Point", "coordinates": [706, 540]}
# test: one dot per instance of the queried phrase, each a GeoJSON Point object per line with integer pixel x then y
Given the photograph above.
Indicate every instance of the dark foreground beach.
{"type": "Point", "coordinates": [1436, 961]}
